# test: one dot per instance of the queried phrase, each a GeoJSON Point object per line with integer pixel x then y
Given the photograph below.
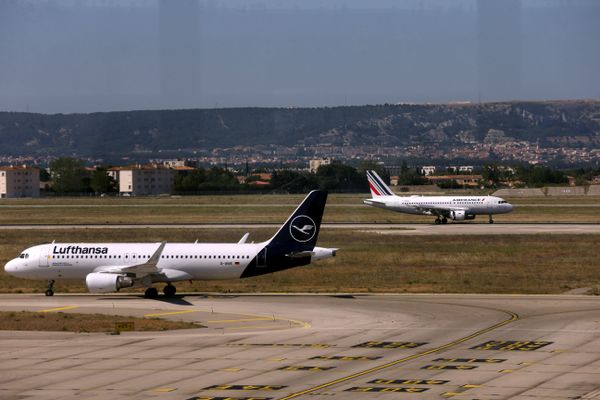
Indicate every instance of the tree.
{"type": "Point", "coordinates": [68, 175]}
{"type": "Point", "coordinates": [101, 182]}
{"type": "Point", "coordinates": [293, 181]}
{"type": "Point", "coordinates": [340, 177]}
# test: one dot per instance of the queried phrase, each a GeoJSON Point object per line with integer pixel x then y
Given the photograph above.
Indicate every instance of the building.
{"type": "Point", "coordinates": [313, 165]}
{"type": "Point", "coordinates": [144, 180]}
{"type": "Point", "coordinates": [428, 170]}
{"type": "Point", "coordinates": [19, 181]}
{"type": "Point", "coordinates": [463, 180]}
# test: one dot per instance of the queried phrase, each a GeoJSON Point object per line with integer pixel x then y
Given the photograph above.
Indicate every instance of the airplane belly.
{"type": "Point", "coordinates": [212, 272]}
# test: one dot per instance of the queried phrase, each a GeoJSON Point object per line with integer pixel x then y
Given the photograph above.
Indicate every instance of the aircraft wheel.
{"type": "Point", "coordinates": [444, 220]}
{"type": "Point", "coordinates": [169, 290]}
{"type": "Point", "coordinates": [151, 293]}
{"type": "Point", "coordinates": [438, 221]}
{"type": "Point", "coordinates": [49, 292]}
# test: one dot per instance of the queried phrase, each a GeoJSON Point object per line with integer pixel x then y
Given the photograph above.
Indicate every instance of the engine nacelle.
{"type": "Point", "coordinates": [320, 253]}
{"type": "Point", "coordinates": [460, 215]}
{"type": "Point", "coordinates": [98, 282]}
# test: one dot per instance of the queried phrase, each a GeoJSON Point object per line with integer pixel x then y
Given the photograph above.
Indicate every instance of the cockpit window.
{"type": "Point", "coordinates": [24, 255]}
{"type": "Point", "coordinates": [502, 202]}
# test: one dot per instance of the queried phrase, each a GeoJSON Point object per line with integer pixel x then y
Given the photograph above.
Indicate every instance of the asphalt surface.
{"type": "Point", "coordinates": [466, 228]}
{"type": "Point", "coordinates": [313, 347]}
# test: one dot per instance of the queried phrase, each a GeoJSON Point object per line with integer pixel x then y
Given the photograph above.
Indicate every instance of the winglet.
{"type": "Point", "coordinates": [244, 238]}
{"type": "Point", "coordinates": [156, 256]}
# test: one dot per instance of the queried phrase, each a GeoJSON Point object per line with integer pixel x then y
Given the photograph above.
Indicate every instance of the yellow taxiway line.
{"type": "Point", "coordinates": [58, 309]}
{"type": "Point", "coordinates": [171, 313]}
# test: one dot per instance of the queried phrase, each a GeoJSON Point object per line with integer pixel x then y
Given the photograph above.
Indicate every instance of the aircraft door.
{"type": "Point", "coordinates": [261, 258]}
{"type": "Point", "coordinates": [43, 258]}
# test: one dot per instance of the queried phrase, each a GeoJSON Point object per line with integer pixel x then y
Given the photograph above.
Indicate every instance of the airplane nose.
{"type": "Point", "coordinates": [10, 267]}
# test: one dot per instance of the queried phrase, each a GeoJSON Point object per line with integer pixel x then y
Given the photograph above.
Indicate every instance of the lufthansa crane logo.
{"type": "Point", "coordinates": [302, 228]}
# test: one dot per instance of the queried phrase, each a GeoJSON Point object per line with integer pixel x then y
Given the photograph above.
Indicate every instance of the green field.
{"type": "Point", "coordinates": [261, 209]}
{"type": "Point", "coordinates": [368, 262]}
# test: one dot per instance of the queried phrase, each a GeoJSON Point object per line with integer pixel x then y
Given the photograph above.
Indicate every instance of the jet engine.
{"type": "Point", "coordinates": [460, 215]}
{"type": "Point", "coordinates": [98, 282]}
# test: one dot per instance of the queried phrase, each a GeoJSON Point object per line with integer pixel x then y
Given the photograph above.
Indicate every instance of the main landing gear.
{"type": "Point", "coordinates": [169, 290]}
{"type": "Point", "coordinates": [50, 289]}
{"type": "Point", "coordinates": [441, 220]}
{"type": "Point", "coordinates": [152, 292]}
{"type": "Point", "coordinates": [491, 220]}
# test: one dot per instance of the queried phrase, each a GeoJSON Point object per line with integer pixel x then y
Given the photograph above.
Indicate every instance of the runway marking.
{"type": "Point", "coordinates": [408, 381]}
{"type": "Point", "coordinates": [304, 368]}
{"type": "Point", "coordinates": [164, 390]}
{"type": "Point", "coordinates": [227, 398]}
{"type": "Point", "coordinates": [511, 345]}
{"type": "Point", "coordinates": [470, 360]}
{"type": "Point", "coordinates": [471, 386]}
{"type": "Point", "coordinates": [345, 358]}
{"type": "Point", "coordinates": [444, 366]}
{"type": "Point", "coordinates": [390, 345]}
{"type": "Point", "coordinates": [58, 309]}
{"type": "Point", "coordinates": [245, 387]}
{"type": "Point", "coordinates": [232, 369]}
{"type": "Point", "coordinates": [171, 313]}
{"type": "Point", "coordinates": [312, 345]}
{"type": "Point", "coordinates": [513, 317]}
{"type": "Point", "coordinates": [387, 389]}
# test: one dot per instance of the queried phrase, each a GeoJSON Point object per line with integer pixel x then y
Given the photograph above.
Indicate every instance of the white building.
{"type": "Point", "coordinates": [313, 165]}
{"type": "Point", "coordinates": [428, 170]}
{"type": "Point", "coordinates": [144, 180]}
{"type": "Point", "coordinates": [19, 181]}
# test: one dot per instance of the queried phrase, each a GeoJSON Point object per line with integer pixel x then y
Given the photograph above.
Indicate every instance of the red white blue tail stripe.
{"type": "Point", "coordinates": [378, 188]}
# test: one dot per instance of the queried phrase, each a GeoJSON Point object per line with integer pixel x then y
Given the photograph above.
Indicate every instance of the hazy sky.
{"type": "Point", "coordinates": [101, 55]}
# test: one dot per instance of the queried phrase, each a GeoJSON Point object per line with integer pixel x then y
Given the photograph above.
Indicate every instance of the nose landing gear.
{"type": "Point", "coordinates": [50, 289]}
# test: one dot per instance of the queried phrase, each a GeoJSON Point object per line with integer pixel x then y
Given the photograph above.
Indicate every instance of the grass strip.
{"type": "Point", "coordinates": [76, 322]}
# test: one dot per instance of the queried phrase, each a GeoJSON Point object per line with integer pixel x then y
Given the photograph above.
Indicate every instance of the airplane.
{"type": "Point", "coordinates": [109, 267]}
{"type": "Point", "coordinates": [456, 208]}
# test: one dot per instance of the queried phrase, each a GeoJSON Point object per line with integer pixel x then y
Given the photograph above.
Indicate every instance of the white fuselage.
{"type": "Point", "coordinates": [182, 260]}
{"type": "Point", "coordinates": [422, 205]}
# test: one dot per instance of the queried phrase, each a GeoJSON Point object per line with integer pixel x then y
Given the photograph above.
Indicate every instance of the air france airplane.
{"type": "Point", "coordinates": [457, 208]}
{"type": "Point", "coordinates": [108, 267]}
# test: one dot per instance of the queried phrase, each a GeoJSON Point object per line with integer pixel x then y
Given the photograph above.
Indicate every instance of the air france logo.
{"type": "Point", "coordinates": [302, 228]}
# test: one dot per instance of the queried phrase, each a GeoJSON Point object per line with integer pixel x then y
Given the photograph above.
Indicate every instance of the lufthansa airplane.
{"type": "Point", "coordinates": [108, 267]}
{"type": "Point", "coordinates": [456, 208]}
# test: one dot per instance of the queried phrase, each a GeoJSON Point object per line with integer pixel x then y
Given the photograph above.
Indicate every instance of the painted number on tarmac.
{"type": "Point", "coordinates": [304, 368]}
{"type": "Point", "coordinates": [443, 366]}
{"type": "Point", "coordinates": [408, 381]}
{"type": "Point", "coordinates": [311, 345]}
{"type": "Point", "coordinates": [228, 398]}
{"type": "Point", "coordinates": [387, 389]}
{"type": "Point", "coordinates": [245, 387]}
{"type": "Point", "coordinates": [345, 358]}
{"type": "Point", "coordinates": [390, 345]}
{"type": "Point", "coordinates": [471, 360]}
{"type": "Point", "coordinates": [511, 345]}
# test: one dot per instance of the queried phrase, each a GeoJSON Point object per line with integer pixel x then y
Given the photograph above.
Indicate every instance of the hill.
{"type": "Point", "coordinates": [111, 134]}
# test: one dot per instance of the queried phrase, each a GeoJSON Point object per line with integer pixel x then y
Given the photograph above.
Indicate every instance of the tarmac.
{"type": "Point", "coordinates": [312, 347]}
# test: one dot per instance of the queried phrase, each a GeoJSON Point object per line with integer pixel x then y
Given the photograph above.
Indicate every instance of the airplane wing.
{"type": "Point", "coordinates": [147, 268]}
{"type": "Point", "coordinates": [439, 211]}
